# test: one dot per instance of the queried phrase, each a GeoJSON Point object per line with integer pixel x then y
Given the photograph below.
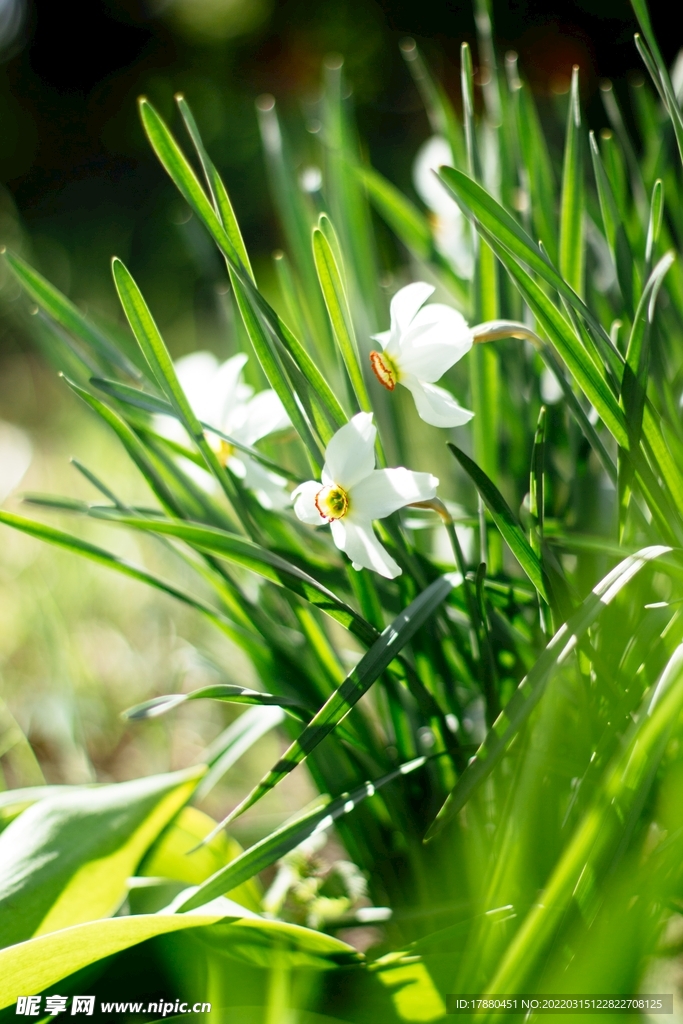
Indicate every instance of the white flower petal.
{"type": "Point", "coordinates": [196, 373]}
{"type": "Point", "coordinates": [383, 338]}
{"type": "Point", "coordinates": [227, 395]}
{"type": "Point", "coordinates": [406, 303]}
{"type": "Point", "coordinates": [15, 457]}
{"type": "Point", "coordinates": [304, 503]}
{"type": "Point", "coordinates": [434, 153]}
{"type": "Point", "coordinates": [350, 455]}
{"type": "Point", "coordinates": [435, 405]}
{"type": "Point", "coordinates": [438, 337]}
{"type": "Point", "coordinates": [263, 415]}
{"type": "Point", "coordinates": [386, 490]}
{"type": "Point", "coordinates": [169, 427]}
{"type": "Point", "coordinates": [268, 487]}
{"type": "Point", "coordinates": [357, 540]}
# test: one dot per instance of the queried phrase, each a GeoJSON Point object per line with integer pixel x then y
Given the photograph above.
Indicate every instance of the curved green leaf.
{"type": "Point", "coordinates": [39, 963]}
{"type": "Point", "coordinates": [97, 554]}
{"type": "Point", "coordinates": [218, 691]}
{"type": "Point", "coordinates": [505, 521]}
{"type": "Point", "coordinates": [66, 859]}
{"type": "Point", "coordinates": [245, 552]}
{"type": "Point", "coordinates": [61, 309]}
{"type": "Point", "coordinates": [280, 842]}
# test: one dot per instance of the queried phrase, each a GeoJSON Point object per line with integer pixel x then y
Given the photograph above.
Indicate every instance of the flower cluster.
{"type": "Point", "coordinates": [422, 343]}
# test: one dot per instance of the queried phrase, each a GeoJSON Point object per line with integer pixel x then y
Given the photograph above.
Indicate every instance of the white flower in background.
{"type": "Point", "coordinates": [221, 399]}
{"type": "Point", "coordinates": [422, 343]}
{"type": "Point", "coordinates": [15, 457]}
{"type": "Point", "coordinates": [451, 231]}
{"type": "Point", "coordinates": [352, 493]}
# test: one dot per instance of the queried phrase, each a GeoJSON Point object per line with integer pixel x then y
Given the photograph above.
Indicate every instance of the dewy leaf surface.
{"type": "Point", "coordinates": [66, 859]}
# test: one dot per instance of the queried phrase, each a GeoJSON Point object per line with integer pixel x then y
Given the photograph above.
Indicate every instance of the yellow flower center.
{"type": "Point", "coordinates": [225, 451]}
{"type": "Point", "coordinates": [332, 502]}
{"type": "Point", "coordinates": [384, 370]}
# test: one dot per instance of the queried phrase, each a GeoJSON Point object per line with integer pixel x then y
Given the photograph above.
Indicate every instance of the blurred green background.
{"type": "Point", "coordinates": [80, 184]}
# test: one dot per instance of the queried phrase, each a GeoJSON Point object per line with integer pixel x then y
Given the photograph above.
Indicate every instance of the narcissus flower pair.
{"type": "Point", "coordinates": [352, 493]}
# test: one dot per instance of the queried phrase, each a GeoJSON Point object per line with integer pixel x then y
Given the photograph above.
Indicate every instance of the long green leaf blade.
{"type": "Point", "coordinates": [228, 692]}
{"type": "Point", "coordinates": [277, 844]}
{"type": "Point", "coordinates": [504, 519]}
{"type": "Point", "coordinates": [252, 556]}
{"type": "Point", "coordinates": [396, 635]}
{"type": "Point", "coordinates": [330, 279]}
{"type": "Point", "coordinates": [532, 687]}
{"type": "Point", "coordinates": [61, 309]}
{"type": "Point", "coordinates": [571, 207]}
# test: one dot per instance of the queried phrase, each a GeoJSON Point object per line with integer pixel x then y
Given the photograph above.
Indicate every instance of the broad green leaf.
{"type": "Point", "coordinates": [61, 309]}
{"type": "Point", "coordinates": [38, 964]}
{"type": "Point", "coordinates": [218, 691]}
{"type": "Point", "coordinates": [396, 635]}
{"type": "Point", "coordinates": [532, 687]}
{"type": "Point", "coordinates": [330, 278]}
{"type": "Point", "coordinates": [180, 854]}
{"type": "Point", "coordinates": [572, 244]}
{"type": "Point", "coordinates": [263, 943]}
{"type": "Point", "coordinates": [111, 561]}
{"type": "Point", "coordinates": [504, 519]}
{"type": "Point", "coordinates": [66, 859]}
{"type": "Point", "coordinates": [245, 552]}
{"type": "Point", "coordinates": [274, 846]}
{"type": "Point", "coordinates": [14, 801]}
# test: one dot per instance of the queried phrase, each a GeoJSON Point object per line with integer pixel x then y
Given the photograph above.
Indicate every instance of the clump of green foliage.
{"type": "Point", "coordinates": [492, 716]}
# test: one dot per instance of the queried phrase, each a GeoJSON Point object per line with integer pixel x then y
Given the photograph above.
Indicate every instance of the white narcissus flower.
{"type": "Point", "coordinates": [15, 457]}
{"type": "Point", "coordinates": [450, 228]}
{"type": "Point", "coordinates": [352, 493]}
{"type": "Point", "coordinates": [221, 399]}
{"type": "Point", "coordinates": [422, 343]}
